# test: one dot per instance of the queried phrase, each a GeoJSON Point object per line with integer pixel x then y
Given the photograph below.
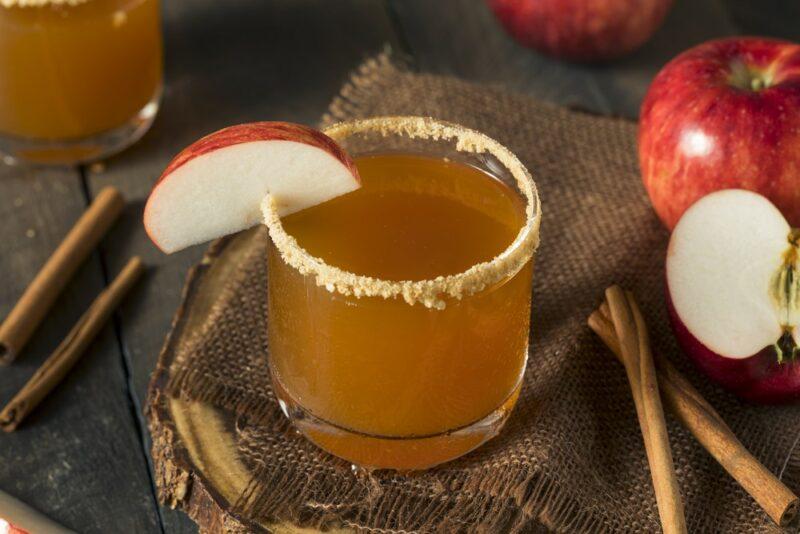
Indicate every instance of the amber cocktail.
{"type": "Point", "coordinates": [78, 80]}
{"type": "Point", "coordinates": [399, 313]}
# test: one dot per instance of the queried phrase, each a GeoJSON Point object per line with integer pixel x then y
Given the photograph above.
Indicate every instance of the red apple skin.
{"type": "Point", "coordinates": [581, 30]}
{"type": "Point", "coordinates": [259, 131]}
{"type": "Point", "coordinates": [759, 378]}
{"type": "Point", "coordinates": [249, 132]}
{"type": "Point", "coordinates": [699, 132]}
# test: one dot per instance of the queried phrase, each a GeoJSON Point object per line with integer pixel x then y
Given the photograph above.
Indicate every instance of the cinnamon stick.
{"type": "Point", "coordinates": [40, 295]}
{"type": "Point", "coordinates": [637, 358]}
{"type": "Point", "coordinates": [707, 426]}
{"type": "Point", "coordinates": [55, 368]}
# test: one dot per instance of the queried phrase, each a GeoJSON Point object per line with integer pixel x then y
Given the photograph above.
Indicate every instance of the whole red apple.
{"type": "Point", "coordinates": [725, 114]}
{"type": "Point", "coordinates": [581, 30]}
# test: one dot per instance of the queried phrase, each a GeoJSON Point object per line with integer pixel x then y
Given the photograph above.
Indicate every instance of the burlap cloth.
{"type": "Point", "coordinates": [571, 455]}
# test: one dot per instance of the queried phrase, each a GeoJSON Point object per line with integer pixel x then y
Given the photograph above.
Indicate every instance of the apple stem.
{"type": "Point", "coordinates": [749, 78]}
{"type": "Point", "coordinates": [756, 84]}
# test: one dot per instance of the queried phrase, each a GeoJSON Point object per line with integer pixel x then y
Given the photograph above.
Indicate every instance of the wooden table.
{"type": "Point", "coordinates": [83, 456]}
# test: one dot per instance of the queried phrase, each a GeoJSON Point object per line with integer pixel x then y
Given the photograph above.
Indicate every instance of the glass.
{"type": "Point", "coordinates": [77, 82]}
{"type": "Point", "coordinates": [374, 357]}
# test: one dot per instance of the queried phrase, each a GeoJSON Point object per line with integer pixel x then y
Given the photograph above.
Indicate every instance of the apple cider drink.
{"type": "Point", "coordinates": [400, 264]}
{"type": "Point", "coordinates": [399, 313]}
{"type": "Point", "coordinates": [78, 79]}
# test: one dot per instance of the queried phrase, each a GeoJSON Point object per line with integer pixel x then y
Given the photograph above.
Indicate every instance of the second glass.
{"type": "Point", "coordinates": [77, 82]}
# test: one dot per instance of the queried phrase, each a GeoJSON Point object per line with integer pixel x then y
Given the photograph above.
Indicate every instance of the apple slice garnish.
{"type": "Point", "coordinates": [215, 186]}
{"type": "Point", "coordinates": [733, 280]}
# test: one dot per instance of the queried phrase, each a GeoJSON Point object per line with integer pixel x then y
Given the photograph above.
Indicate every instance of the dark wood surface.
{"type": "Point", "coordinates": [82, 457]}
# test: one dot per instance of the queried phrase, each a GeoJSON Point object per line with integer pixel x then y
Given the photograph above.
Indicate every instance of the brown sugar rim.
{"type": "Point", "coordinates": [431, 293]}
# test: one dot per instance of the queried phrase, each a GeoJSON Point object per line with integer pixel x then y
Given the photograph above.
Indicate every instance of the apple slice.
{"type": "Point", "coordinates": [733, 284]}
{"type": "Point", "coordinates": [215, 186]}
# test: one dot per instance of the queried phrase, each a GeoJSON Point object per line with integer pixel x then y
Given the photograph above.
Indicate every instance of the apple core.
{"type": "Point", "coordinates": [785, 289]}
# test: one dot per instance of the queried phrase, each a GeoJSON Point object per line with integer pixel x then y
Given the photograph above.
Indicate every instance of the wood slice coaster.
{"type": "Point", "coordinates": [195, 457]}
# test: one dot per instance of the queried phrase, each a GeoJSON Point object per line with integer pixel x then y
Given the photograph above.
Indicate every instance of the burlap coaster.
{"type": "Point", "coordinates": [572, 452]}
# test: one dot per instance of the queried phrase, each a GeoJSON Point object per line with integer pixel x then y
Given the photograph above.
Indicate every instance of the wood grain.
{"type": "Point", "coordinates": [78, 459]}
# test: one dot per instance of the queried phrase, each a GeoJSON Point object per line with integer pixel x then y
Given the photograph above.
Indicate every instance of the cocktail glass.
{"type": "Point", "coordinates": [405, 373]}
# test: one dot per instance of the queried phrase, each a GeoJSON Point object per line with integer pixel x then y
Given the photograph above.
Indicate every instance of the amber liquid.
{"type": "Point", "coordinates": [72, 71]}
{"type": "Point", "coordinates": [400, 385]}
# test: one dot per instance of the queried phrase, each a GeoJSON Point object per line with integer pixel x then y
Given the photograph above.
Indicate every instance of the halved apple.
{"type": "Point", "coordinates": [733, 280]}
{"type": "Point", "coordinates": [215, 186]}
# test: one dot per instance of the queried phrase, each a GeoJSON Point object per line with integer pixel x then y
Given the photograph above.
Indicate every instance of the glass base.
{"type": "Point", "coordinates": [16, 150]}
{"type": "Point", "coordinates": [403, 454]}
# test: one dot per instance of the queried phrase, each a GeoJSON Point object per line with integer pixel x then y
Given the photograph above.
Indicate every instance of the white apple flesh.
{"type": "Point", "coordinates": [215, 186]}
{"type": "Point", "coordinates": [733, 284]}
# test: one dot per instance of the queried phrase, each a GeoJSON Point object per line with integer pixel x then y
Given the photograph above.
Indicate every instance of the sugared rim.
{"type": "Point", "coordinates": [432, 292]}
{"type": "Point", "coordinates": [40, 3]}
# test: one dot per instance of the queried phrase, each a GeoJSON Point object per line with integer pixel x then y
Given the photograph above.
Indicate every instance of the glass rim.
{"type": "Point", "coordinates": [431, 292]}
